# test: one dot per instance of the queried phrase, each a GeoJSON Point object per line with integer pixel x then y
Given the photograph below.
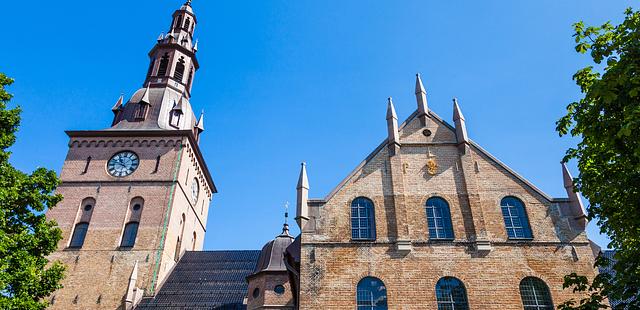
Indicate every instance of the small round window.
{"type": "Point", "coordinates": [136, 207]}
{"type": "Point", "coordinates": [279, 289]}
{"type": "Point", "coordinates": [256, 292]}
{"type": "Point", "coordinates": [88, 207]}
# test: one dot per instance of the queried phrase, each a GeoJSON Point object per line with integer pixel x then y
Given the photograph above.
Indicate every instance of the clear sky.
{"type": "Point", "coordinates": [288, 81]}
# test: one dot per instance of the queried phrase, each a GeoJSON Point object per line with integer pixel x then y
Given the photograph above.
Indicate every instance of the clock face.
{"type": "Point", "coordinates": [123, 164]}
{"type": "Point", "coordinates": [195, 189]}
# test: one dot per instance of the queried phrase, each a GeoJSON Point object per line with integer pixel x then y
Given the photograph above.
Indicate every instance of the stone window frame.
{"type": "Point", "coordinates": [83, 219]}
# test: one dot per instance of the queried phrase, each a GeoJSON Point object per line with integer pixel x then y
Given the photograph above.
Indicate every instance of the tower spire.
{"type": "Point", "coordinates": [421, 99]}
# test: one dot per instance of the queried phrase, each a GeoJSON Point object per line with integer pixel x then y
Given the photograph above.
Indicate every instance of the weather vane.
{"type": "Point", "coordinates": [286, 211]}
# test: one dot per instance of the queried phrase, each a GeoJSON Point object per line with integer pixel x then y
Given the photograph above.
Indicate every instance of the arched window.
{"type": "Point", "coordinates": [439, 219]}
{"type": "Point", "coordinates": [164, 64]}
{"type": "Point", "coordinates": [129, 235]}
{"type": "Point", "coordinates": [178, 21]}
{"type": "Point", "coordinates": [371, 294]}
{"type": "Point", "coordinates": [79, 232]}
{"type": "Point", "coordinates": [362, 219]}
{"type": "Point", "coordinates": [82, 222]}
{"type": "Point", "coordinates": [132, 219]}
{"type": "Point", "coordinates": [179, 73]}
{"type": "Point", "coordinates": [193, 243]}
{"type": "Point", "coordinates": [535, 294]}
{"type": "Point", "coordinates": [151, 63]}
{"type": "Point", "coordinates": [515, 218]}
{"type": "Point", "coordinates": [451, 295]}
{"type": "Point", "coordinates": [176, 255]}
{"type": "Point", "coordinates": [189, 79]}
{"type": "Point", "coordinates": [187, 23]}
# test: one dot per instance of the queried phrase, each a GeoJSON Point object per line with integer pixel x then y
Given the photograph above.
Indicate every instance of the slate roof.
{"type": "Point", "coordinates": [206, 280]}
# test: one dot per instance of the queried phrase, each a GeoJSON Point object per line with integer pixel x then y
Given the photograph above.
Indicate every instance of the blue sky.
{"type": "Point", "coordinates": [288, 81]}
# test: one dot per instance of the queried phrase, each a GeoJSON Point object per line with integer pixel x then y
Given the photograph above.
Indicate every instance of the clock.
{"type": "Point", "coordinates": [123, 164]}
{"type": "Point", "coordinates": [195, 190]}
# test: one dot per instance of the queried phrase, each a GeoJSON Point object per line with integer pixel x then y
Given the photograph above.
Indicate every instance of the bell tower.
{"type": "Point", "coordinates": [136, 194]}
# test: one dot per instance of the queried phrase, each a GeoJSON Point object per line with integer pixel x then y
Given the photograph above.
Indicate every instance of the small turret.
{"type": "Point", "coordinates": [392, 128]}
{"type": "Point", "coordinates": [421, 99]}
{"type": "Point", "coordinates": [461, 127]}
{"type": "Point", "coordinates": [302, 190]}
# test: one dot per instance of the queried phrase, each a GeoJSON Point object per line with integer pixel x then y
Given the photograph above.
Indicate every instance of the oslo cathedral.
{"type": "Point", "coordinates": [428, 220]}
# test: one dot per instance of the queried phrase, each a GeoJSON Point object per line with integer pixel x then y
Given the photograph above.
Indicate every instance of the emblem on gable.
{"type": "Point", "coordinates": [432, 166]}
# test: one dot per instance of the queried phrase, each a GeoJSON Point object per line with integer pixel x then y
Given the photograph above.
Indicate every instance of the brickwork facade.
{"type": "Point", "coordinates": [432, 160]}
{"type": "Point", "coordinates": [99, 271]}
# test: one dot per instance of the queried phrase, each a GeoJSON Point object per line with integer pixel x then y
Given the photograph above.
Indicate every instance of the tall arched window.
{"type": "Point", "coordinates": [179, 73]}
{"type": "Point", "coordinates": [362, 219]}
{"type": "Point", "coordinates": [151, 64]}
{"type": "Point", "coordinates": [451, 295]}
{"type": "Point", "coordinates": [82, 223]}
{"type": "Point", "coordinates": [187, 23]}
{"type": "Point", "coordinates": [371, 294]}
{"type": "Point", "coordinates": [129, 235]}
{"type": "Point", "coordinates": [193, 242]}
{"type": "Point", "coordinates": [439, 219]}
{"type": "Point", "coordinates": [178, 251]}
{"type": "Point", "coordinates": [164, 64]}
{"type": "Point", "coordinates": [130, 231]}
{"type": "Point", "coordinates": [535, 294]}
{"type": "Point", "coordinates": [190, 79]}
{"type": "Point", "coordinates": [515, 218]}
{"type": "Point", "coordinates": [79, 233]}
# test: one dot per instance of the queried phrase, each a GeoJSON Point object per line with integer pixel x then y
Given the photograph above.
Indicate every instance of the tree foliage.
{"type": "Point", "coordinates": [607, 119]}
{"type": "Point", "coordinates": [26, 237]}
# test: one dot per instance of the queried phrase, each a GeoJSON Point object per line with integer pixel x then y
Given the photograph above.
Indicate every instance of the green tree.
{"type": "Point", "coordinates": [26, 237]}
{"type": "Point", "coordinates": [607, 119]}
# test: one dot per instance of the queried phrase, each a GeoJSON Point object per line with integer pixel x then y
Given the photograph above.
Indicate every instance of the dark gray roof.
{"type": "Point", "coordinates": [206, 280]}
{"type": "Point", "coordinates": [272, 254]}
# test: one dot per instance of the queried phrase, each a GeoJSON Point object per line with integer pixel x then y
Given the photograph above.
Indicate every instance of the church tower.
{"type": "Point", "coordinates": [137, 194]}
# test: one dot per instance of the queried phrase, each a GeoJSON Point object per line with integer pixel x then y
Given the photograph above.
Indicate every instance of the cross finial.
{"type": "Point", "coordinates": [188, 2]}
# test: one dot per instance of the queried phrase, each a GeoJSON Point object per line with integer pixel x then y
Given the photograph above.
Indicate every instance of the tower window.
{"type": "Point", "coordinates": [371, 294]}
{"type": "Point", "coordinates": [82, 223]}
{"type": "Point", "coordinates": [362, 219]}
{"type": "Point", "coordinates": [179, 73]}
{"type": "Point", "coordinates": [141, 111]}
{"type": "Point", "coordinates": [515, 218]}
{"type": "Point", "coordinates": [79, 233]}
{"type": "Point", "coordinates": [535, 294]}
{"type": "Point", "coordinates": [450, 294]}
{"type": "Point", "coordinates": [86, 166]}
{"type": "Point", "coordinates": [164, 64]}
{"type": "Point", "coordinates": [151, 63]}
{"type": "Point", "coordinates": [439, 219]}
{"type": "Point", "coordinates": [129, 235]}
{"type": "Point", "coordinates": [178, 21]}
{"type": "Point", "coordinates": [187, 23]}
{"type": "Point", "coordinates": [189, 79]}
